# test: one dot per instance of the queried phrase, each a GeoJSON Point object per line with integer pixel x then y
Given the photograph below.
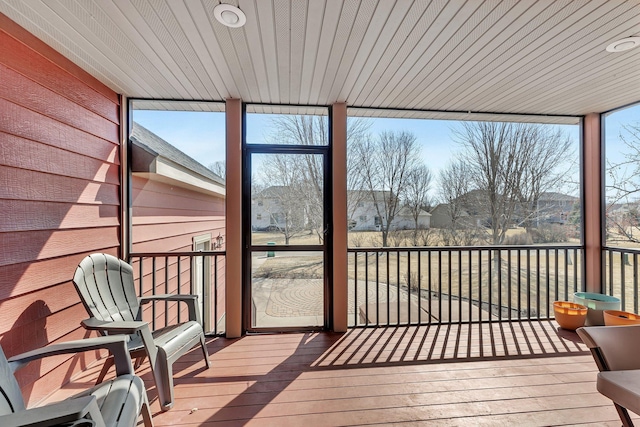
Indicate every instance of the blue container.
{"type": "Point", "coordinates": [596, 303]}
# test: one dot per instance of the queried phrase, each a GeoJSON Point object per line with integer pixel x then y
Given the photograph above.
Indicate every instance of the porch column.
{"type": "Point", "coordinates": [339, 182]}
{"type": "Point", "coordinates": [593, 199]}
{"type": "Point", "coordinates": [233, 260]}
{"type": "Point", "coordinates": [126, 203]}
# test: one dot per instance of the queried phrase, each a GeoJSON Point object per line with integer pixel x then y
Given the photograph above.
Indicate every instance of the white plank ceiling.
{"type": "Point", "coordinates": [441, 56]}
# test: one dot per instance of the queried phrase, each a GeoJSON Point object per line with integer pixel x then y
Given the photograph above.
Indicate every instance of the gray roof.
{"type": "Point", "coordinates": [557, 197]}
{"type": "Point", "coordinates": [158, 147]}
{"type": "Point", "coordinates": [273, 191]}
{"type": "Point", "coordinates": [406, 211]}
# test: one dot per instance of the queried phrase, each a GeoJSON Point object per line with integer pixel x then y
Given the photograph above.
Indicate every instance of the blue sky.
{"type": "Point", "coordinates": [613, 125]}
{"type": "Point", "coordinates": [201, 135]}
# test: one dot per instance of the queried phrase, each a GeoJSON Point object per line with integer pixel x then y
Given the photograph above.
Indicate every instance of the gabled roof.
{"type": "Point", "coordinates": [145, 139]}
{"type": "Point", "coordinates": [380, 195]}
{"type": "Point", "coordinates": [273, 191]}
{"type": "Point", "coordinates": [151, 154]}
{"type": "Point", "coordinates": [405, 211]}
{"type": "Point", "coordinates": [553, 196]}
{"type": "Point", "coordinates": [445, 207]}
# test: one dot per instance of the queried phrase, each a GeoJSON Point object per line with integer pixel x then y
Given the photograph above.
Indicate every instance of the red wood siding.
{"type": "Point", "coordinates": [59, 198]}
{"type": "Point", "coordinates": [165, 219]}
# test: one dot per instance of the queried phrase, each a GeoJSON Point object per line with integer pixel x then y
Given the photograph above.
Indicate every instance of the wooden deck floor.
{"type": "Point", "coordinates": [527, 374]}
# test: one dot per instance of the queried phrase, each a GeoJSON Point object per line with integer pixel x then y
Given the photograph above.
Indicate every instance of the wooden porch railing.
{"type": "Point", "coordinates": [621, 276]}
{"type": "Point", "coordinates": [411, 285]}
{"type": "Point", "coordinates": [176, 272]}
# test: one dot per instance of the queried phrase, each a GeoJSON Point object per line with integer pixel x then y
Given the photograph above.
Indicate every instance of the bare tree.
{"type": "Point", "coordinates": [623, 188]}
{"type": "Point", "coordinates": [546, 149]}
{"type": "Point", "coordinates": [299, 130]}
{"type": "Point", "coordinates": [455, 182]}
{"type": "Point", "coordinates": [357, 135]}
{"type": "Point", "coordinates": [310, 170]}
{"type": "Point", "coordinates": [219, 168]}
{"type": "Point", "coordinates": [512, 165]}
{"type": "Point", "coordinates": [416, 194]}
{"type": "Point", "coordinates": [307, 189]}
{"type": "Point", "coordinates": [283, 199]}
{"type": "Point", "coordinates": [386, 165]}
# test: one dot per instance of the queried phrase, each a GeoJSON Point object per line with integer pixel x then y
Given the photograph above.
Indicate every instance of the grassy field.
{"type": "Point", "coordinates": [356, 238]}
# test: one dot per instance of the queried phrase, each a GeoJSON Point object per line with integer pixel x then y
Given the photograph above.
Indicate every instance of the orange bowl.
{"type": "Point", "coordinates": [620, 318]}
{"type": "Point", "coordinates": [569, 315]}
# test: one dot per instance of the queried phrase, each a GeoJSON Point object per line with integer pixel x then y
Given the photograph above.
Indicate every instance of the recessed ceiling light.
{"type": "Point", "coordinates": [624, 44]}
{"type": "Point", "coordinates": [229, 15]}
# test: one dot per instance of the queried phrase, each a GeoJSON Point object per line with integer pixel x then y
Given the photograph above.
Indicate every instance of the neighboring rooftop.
{"type": "Point", "coordinates": [153, 155]}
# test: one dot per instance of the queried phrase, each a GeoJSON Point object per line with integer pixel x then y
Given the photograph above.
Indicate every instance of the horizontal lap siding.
{"type": "Point", "coordinates": [59, 195]}
{"type": "Point", "coordinates": [165, 219]}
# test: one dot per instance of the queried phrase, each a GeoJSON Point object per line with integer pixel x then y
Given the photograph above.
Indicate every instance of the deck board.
{"type": "Point", "coordinates": [529, 374]}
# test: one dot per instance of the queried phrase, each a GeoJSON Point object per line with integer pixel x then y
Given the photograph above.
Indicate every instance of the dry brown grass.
{"type": "Point", "coordinates": [287, 265]}
{"type": "Point", "coordinates": [264, 237]}
{"type": "Point", "coordinates": [355, 238]}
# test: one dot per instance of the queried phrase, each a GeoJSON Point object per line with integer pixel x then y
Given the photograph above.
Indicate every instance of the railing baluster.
{"type": "Point", "coordinates": [537, 283]}
{"type": "Point", "coordinates": [622, 281]}
{"type": "Point", "coordinates": [429, 302]}
{"type": "Point", "coordinates": [610, 274]}
{"type": "Point", "coordinates": [575, 271]}
{"type": "Point", "coordinates": [215, 293]}
{"type": "Point", "coordinates": [557, 274]}
{"type": "Point", "coordinates": [205, 259]}
{"type": "Point", "coordinates": [388, 292]}
{"type": "Point", "coordinates": [635, 283]}
{"type": "Point", "coordinates": [480, 286]}
{"type": "Point", "coordinates": [166, 290]}
{"type": "Point", "coordinates": [509, 292]}
{"type": "Point", "coordinates": [398, 284]}
{"type": "Point", "coordinates": [566, 274]}
{"type": "Point", "coordinates": [355, 289]}
{"type": "Point", "coordinates": [470, 277]}
{"type": "Point", "coordinates": [440, 285]}
{"type": "Point", "coordinates": [408, 288]}
{"type": "Point", "coordinates": [490, 258]}
{"type": "Point", "coordinates": [378, 288]}
{"type": "Point", "coordinates": [419, 287]}
{"type": "Point", "coordinates": [528, 284]}
{"type": "Point", "coordinates": [499, 266]}
{"type": "Point", "coordinates": [519, 265]}
{"type": "Point", "coordinates": [547, 284]}
{"type": "Point", "coordinates": [366, 288]}
{"type": "Point", "coordinates": [449, 288]}
{"type": "Point", "coordinates": [460, 286]}
{"type": "Point", "coordinates": [178, 281]}
{"type": "Point", "coordinates": [140, 259]}
{"type": "Point", "coordinates": [153, 291]}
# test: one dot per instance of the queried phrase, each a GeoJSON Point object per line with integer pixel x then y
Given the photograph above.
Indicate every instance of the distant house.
{"type": "Point", "coordinates": [555, 207]}
{"type": "Point", "coordinates": [404, 220]}
{"type": "Point", "coordinates": [551, 207]}
{"type": "Point", "coordinates": [441, 217]}
{"type": "Point", "coordinates": [178, 205]}
{"type": "Point", "coordinates": [623, 214]}
{"type": "Point", "coordinates": [268, 210]}
{"type": "Point", "coordinates": [363, 212]}
{"type": "Point", "coordinates": [273, 206]}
